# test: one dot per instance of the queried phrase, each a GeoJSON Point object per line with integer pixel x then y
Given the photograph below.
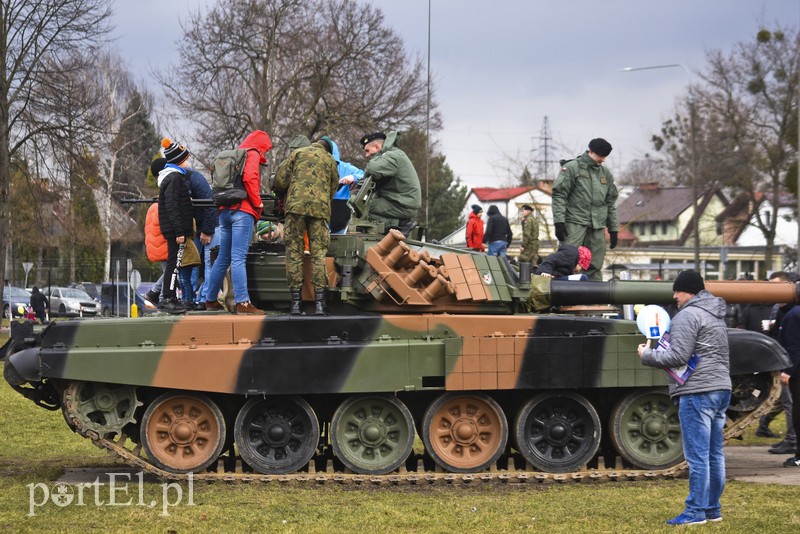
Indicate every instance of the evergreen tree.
{"type": "Point", "coordinates": [447, 195]}
{"type": "Point", "coordinates": [526, 178]}
{"type": "Point", "coordinates": [138, 141]}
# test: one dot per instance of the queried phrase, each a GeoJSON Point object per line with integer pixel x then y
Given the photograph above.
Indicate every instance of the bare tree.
{"type": "Point", "coordinates": [34, 36]}
{"type": "Point", "coordinates": [114, 89]}
{"type": "Point", "coordinates": [289, 67]}
{"type": "Point", "coordinates": [645, 170]}
{"type": "Point", "coordinates": [745, 124]}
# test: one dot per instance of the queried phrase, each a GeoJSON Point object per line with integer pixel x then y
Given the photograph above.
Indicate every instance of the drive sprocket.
{"type": "Point", "coordinates": [101, 408]}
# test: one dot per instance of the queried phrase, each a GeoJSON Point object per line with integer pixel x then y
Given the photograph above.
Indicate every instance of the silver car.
{"type": "Point", "coordinates": [70, 302]}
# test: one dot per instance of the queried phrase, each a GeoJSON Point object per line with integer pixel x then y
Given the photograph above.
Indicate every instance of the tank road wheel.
{"type": "Point", "coordinates": [557, 432]}
{"type": "Point", "coordinates": [464, 433]}
{"type": "Point", "coordinates": [102, 408]}
{"type": "Point", "coordinates": [372, 435]}
{"type": "Point", "coordinates": [182, 432]}
{"type": "Point", "coordinates": [646, 431]}
{"type": "Point", "coordinates": [276, 435]}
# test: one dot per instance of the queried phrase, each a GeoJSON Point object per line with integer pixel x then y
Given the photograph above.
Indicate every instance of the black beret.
{"type": "Point", "coordinates": [527, 207]}
{"type": "Point", "coordinates": [476, 209]}
{"type": "Point", "coordinates": [600, 146]}
{"type": "Point", "coordinates": [367, 139]}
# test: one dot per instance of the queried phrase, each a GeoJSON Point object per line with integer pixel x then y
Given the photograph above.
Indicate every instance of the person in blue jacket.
{"type": "Point", "coordinates": [349, 174]}
{"type": "Point", "coordinates": [789, 339]}
{"type": "Point", "coordinates": [206, 220]}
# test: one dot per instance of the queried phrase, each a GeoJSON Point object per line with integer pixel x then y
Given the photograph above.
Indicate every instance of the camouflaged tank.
{"type": "Point", "coordinates": [496, 375]}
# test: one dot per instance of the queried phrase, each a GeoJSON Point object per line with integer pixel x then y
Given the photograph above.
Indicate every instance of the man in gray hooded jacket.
{"type": "Point", "coordinates": [698, 338]}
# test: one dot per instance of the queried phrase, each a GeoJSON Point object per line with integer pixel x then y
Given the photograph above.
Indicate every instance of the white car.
{"type": "Point", "coordinates": [70, 302]}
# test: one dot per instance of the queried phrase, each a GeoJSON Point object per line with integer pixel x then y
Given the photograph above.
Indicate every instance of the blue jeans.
{"type": "Point", "coordinates": [702, 418]}
{"type": "Point", "coordinates": [206, 251]}
{"type": "Point", "coordinates": [187, 289]}
{"type": "Point", "coordinates": [160, 282]}
{"type": "Point", "coordinates": [497, 248]}
{"type": "Point", "coordinates": [235, 233]}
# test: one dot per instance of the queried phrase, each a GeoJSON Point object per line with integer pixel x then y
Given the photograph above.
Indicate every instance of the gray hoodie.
{"type": "Point", "coordinates": [698, 328]}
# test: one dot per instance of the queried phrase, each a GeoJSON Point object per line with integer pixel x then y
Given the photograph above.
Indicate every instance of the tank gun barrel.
{"type": "Point", "coordinates": [270, 212]}
{"type": "Point", "coordinates": [569, 293]}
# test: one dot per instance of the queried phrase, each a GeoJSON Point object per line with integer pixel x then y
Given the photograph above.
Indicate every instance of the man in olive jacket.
{"type": "Point", "coordinates": [398, 194]}
{"type": "Point", "coordinates": [309, 178]}
{"type": "Point", "coordinates": [588, 189]}
{"type": "Point", "coordinates": [529, 249]}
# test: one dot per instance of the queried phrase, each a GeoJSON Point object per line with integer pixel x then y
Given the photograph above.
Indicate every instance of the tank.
{"type": "Point", "coordinates": [431, 364]}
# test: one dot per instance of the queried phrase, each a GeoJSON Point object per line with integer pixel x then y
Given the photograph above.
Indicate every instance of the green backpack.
{"type": "Point", "coordinates": [227, 188]}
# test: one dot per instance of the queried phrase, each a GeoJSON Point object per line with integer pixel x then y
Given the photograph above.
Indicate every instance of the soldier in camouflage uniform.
{"type": "Point", "coordinates": [398, 194]}
{"type": "Point", "coordinates": [529, 250]}
{"type": "Point", "coordinates": [588, 189]}
{"type": "Point", "coordinates": [309, 178]}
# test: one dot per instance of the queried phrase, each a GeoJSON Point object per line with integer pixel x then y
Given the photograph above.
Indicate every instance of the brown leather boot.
{"type": "Point", "coordinates": [213, 305]}
{"type": "Point", "coordinates": [247, 308]}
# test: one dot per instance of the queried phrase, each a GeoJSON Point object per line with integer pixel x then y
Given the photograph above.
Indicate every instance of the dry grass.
{"type": "Point", "coordinates": [35, 445]}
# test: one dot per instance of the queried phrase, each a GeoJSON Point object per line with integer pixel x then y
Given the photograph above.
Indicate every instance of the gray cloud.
{"type": "Point", "coordinates": [500, 67]}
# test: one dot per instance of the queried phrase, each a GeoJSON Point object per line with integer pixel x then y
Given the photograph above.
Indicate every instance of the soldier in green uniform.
{"type": "Point", "coordinates": [398, 194]}
{"type": "Point", "coordinates": [588, 189]}
{"type": "Point", "coordinates": [529, 249]}
{"type": "Point", "coordinates": [309, 178]}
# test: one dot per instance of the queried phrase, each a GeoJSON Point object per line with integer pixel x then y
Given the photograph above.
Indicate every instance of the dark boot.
{"type": "Point", "coordinates": [295, 308]}
{"type": "Point", "coordinates": [763, 430]}
{"type": "Point", "coordinates": [319, 302]}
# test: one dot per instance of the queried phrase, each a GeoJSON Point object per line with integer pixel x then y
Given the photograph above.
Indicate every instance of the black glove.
{"type": "Point", "coordinates": [561, 231]}
{"type": "Point", "coordinates": [613, 236]}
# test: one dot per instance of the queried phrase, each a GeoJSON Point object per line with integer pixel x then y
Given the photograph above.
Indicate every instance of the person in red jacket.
{"type": "Point", "coordinates": [475, 229]}
{"type": "Point", "coordinates": [236, 225]}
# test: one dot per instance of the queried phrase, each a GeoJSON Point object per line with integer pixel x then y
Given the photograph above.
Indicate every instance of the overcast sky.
{"type": "Point", "coordinates": [500, 67]}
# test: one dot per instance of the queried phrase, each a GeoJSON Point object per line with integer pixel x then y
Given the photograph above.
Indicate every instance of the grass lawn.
{"type": "Point", "coordinates": [35, 446]}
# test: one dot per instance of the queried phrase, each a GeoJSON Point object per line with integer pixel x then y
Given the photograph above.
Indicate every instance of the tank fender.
{"type": "Point", "coordinates": [24, 366]}
{"type": "Point", "coordinates": [752, 352]}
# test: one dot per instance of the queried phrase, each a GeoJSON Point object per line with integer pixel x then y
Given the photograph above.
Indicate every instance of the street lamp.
{"type": "Point", "coordinates": [428, 134]}
{"type": "Point", "coordinates": [693, 162]}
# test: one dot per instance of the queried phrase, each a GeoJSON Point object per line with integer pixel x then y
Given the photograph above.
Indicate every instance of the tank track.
{"type": "Point", "coordinates": [130, 453]}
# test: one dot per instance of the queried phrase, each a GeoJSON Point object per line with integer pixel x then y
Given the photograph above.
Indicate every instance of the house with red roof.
{"type": "Point", "coordinates": [509, 200]}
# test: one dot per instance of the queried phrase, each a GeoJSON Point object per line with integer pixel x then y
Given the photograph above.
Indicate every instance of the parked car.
{"type": "Point", "coordinates": [93, 290]}
{"type": "Point", "coordinates": [13, 298]}
{"type": "Point", "coordinates": [70, 302]}
{"type": "Point", "coordinates": [108, 300]}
